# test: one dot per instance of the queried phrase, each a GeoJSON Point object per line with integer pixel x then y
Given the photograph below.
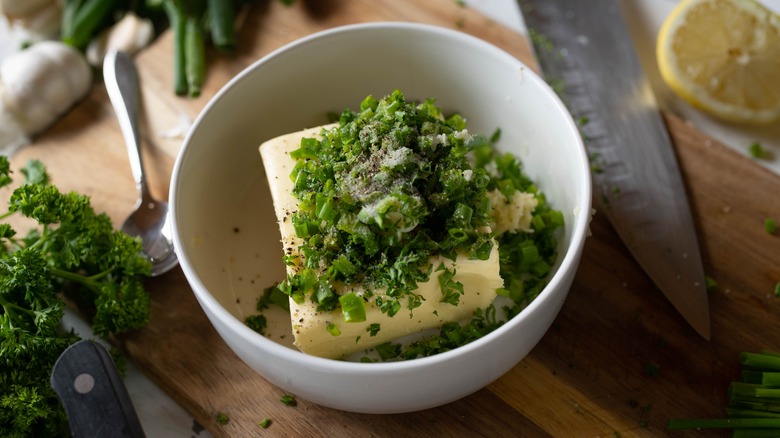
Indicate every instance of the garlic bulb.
{"type": "Point", "coordinates": [37, 86]}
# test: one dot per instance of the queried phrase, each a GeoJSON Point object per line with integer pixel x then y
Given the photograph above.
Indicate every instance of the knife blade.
{"type": "Point", "coordinates": [586, 54]}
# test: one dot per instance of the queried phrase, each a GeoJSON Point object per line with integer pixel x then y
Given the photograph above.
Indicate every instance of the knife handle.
{"type": "Point", "coordinates": [93, 394]}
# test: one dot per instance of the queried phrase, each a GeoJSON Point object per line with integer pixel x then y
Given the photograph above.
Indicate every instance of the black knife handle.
{"type": "Point", "coordinates": [95, 398]}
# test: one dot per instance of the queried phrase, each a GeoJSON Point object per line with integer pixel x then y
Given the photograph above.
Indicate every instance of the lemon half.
{"type": "Point", "coordinates": [723, 56]}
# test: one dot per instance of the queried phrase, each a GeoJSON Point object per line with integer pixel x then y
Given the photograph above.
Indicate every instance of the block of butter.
{"type": "Point", "coordinates": [480, 278]}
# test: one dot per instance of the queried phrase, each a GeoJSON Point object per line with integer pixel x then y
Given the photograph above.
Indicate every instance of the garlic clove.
{"type": "Point", "coordinates": [129, 35]}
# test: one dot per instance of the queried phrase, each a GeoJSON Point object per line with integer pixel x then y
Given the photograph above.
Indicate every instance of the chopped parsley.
{"type": "Point", "coordinates": [451, 335]}
{"type": "Point", "coordinates": [710, 283]}
{"type": "Point", "coordinates": [757, 151]}
{"type": "Point", "coordinates": [770, 225]}
{"type": "Point", "coordinates": [265, 423]}
{"type": "Point", "coordinates": [388, 350]}
{"type": "Point", "coordinates": [222, 419]}
{"type": "Point", "coordinates": [451, 290]}
{"type": "Point", "coordinates": [70, 252]}
{"type": "Point", "coordinates": [257, 323]}
{"type": "Point", "coordinates": [289, 400]}
{"type": "Point", "coordinates": [373, 329]}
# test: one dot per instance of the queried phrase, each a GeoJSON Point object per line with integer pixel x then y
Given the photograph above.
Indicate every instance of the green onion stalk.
{"type": "Point", "coordinates": [754, 401]}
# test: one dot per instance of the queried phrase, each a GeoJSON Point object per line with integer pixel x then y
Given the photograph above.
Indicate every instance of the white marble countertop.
{"type": "Point", "coordinates": [163, 417]}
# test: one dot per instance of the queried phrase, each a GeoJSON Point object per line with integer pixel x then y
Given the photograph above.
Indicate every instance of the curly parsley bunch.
{"type": "Point", "coordinates": [73, 248]}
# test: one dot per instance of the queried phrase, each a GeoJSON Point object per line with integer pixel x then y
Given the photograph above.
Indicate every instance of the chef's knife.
{"type": "Point", "coordinates": [586, 54]}
{"type": "Point", "coordinates": [94, 396]}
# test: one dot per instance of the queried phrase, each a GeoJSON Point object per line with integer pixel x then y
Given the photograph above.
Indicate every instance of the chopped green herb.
{"type": "Point", "coordinates": [751, 407]}
{"type": "Point", "coordinates": [770, 225]}
{"type": "Point", "coordinates": [273, 295]}
{"type": "Point", "coordinates": [450, 336]}
{"type": "Point", "coordinates": [451, 290]}
{"type": "Point", "coordinates": [222, 419]}
{"type": "Point", "coordinates": [265, 423]}
{"type": "Point", "coordinates": [388, 350]}
{"type": "Point", "coordinates": [373, 329]}
{"type": "Point", "coordinates": [756, 150]}
{"type": "Point", "coordinates": [596, 163]}
{"type": "Point", "coordinates": [710, 283]}
{"type": "Point", "coordinates": [289, 400]}
{"type": "Point", "coordinates": [393, 185]}
{"type": "Point", "coordinates": [353, 308]}
{"type": "Point", "coordinates": [390, 187]}
{"type": "Point", "coordinates": [257, 323]}
{"type": "Point", "coordinates": [777, 289]}
{"type": "Point", "coordinates": [540, 40]}
{"type": "Point", "coordinates": [333, 329]}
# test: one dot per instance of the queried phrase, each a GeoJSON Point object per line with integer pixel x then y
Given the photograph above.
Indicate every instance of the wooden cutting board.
{"type": "Point", "coordinates": [589, 374]}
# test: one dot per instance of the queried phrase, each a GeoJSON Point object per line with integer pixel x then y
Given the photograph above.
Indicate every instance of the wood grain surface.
{"type": "Point", "coordinates": [589, 376]}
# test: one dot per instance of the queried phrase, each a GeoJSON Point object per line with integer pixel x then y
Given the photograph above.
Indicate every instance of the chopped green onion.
{"type": "Point", "coordinates": [308, 149]}
{"type": "Point", "coordinates": [343, 266]}
{"type": "Point", "coordinates": [333, 329]}
{"type": "Point", "coordinates": [353, 308]}
{"type": "Point", "coordinates": [760, 360]}
{"type": "Point", "coordinates": [753, 401]}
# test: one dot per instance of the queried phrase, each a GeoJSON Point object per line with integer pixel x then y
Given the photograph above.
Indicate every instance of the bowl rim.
{"type": "Point", "coordinates": [582, 212]}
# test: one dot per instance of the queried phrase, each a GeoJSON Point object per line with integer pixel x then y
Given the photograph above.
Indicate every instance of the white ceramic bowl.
{"type": "Point", "coordinates": [224, 227]}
